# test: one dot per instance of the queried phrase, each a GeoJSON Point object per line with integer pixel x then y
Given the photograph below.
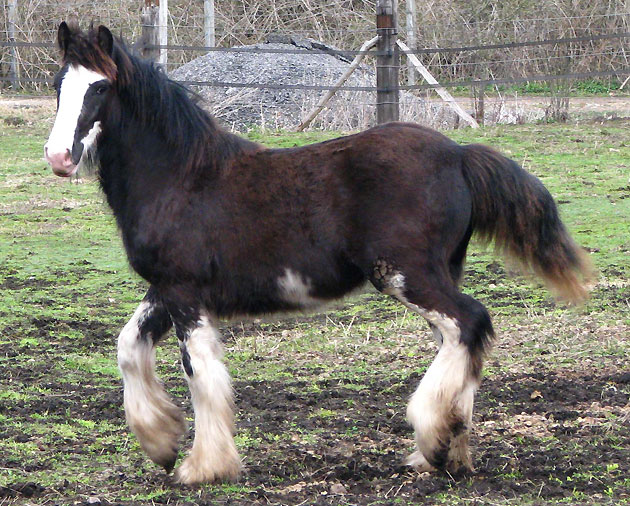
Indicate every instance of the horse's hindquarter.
{"type": "Point", "coordinates": [406, 189]}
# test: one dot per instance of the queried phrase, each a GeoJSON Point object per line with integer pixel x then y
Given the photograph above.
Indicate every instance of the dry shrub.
{"type": "Point", "coordinates": [347, 23]}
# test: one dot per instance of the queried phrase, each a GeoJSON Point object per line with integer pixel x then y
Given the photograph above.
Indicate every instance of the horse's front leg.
{"type": "Point", "coordinates": [153, 418]}
{"type": "Point", "coordinates": [213, 456]}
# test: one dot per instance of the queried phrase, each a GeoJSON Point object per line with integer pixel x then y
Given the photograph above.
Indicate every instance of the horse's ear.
{"type": "Point", "coordinates": [105, 40]}
{"type": "Point", "coordinates": [63, 37]}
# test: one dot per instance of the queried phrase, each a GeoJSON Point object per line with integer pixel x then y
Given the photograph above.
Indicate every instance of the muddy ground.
{"type": "Point", "coordinates": [542, 435]}
{"type": "Point", "coordinates": [320, 398]}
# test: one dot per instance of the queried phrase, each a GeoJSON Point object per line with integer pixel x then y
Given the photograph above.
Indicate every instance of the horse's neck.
{"type": "Point", "coordinates": [136, 165]}
{"type": "Point", "coordinates": [122, 168]}
{"type": "Point", "coordinates": [114, 183]}
{"type": "Point", "coordinates": [141, 157]}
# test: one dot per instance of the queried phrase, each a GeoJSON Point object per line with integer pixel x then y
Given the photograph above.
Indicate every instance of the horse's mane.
{"type": "Point", "coordinates": [158, 103]}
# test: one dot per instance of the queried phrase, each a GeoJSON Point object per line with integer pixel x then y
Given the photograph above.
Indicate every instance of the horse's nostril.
{"type": "Point", "coordinates": [60, 161]}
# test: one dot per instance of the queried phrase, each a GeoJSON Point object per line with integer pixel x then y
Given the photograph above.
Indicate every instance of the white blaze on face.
{"type": "Point", "coordinates": [74, 85]}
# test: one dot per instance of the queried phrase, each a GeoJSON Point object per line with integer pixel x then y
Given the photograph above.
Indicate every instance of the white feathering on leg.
{"type": "Point", "coordinates": [213, 456]}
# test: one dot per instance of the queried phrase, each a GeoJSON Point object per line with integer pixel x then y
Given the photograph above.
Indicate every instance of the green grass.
{"type": "Point", "coordinates": [67, 290]}
{"type": "Point", "coordinates": [578, 88]}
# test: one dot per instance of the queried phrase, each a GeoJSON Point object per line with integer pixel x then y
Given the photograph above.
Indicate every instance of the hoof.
{"type": "Point", "coordinates": [159, 435]}
{"type": "Point", "coordinates": [459, 459]}
{"type": "Point", "coordinates": [170, 464]}
{"type": "Point", "coordinates": [194, 471]}
{"type": "Point", "coordinates": [455, 458]}
{"type": "Point", "coordinates": [447, 453]}
{"type": "Point", "coordinates": [419, 463]}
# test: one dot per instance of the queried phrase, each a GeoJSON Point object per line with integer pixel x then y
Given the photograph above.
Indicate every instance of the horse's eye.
{"type": "Point", "coordinates": [101, 89]}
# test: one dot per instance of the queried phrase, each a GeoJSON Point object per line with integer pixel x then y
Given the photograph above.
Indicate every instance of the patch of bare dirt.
{"type": "Point", "coordinates": [544, 434]}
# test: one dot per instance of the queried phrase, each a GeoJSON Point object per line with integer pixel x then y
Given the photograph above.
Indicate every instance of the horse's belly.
{"type": "Point", "coordinates": [287, 289]}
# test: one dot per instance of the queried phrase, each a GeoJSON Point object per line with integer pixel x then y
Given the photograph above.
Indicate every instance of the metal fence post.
{"type": "Point", "coordinates": [411, 39]}
{"type": "Point", "coordinates": [208, 23]}
{"type": "Point", "coordinates": [154, 20]}
{"type": "Point", "coordinates": [387, 62]}
{"type": "Point", "coordinates": [14, 71]}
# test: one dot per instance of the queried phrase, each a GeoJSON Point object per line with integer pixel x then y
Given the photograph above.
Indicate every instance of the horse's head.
{"type": "Point", "coordinates": [83, 84]}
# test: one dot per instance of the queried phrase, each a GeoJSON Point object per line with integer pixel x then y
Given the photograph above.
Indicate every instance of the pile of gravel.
{"type": "Point", "coordinates": [310, 62]}
{"type": "Point", "coordinates": [242, 108]}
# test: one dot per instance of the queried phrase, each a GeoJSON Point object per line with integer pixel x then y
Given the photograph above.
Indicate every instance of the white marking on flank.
{"type": "Point", "coordinates": [296, 289]}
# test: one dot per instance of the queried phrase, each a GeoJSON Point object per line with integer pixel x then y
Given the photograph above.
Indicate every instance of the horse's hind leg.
{"type": "Point", "coordinates": [151, 415]}
{"type": "Point", "coordinates": [213, 456]}
{"type": "Point", "coordinates": [440, 410]}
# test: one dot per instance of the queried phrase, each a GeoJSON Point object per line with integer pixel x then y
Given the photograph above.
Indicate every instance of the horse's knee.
{"type": "Point", "coordinates": [146, 327]}
{"type": "Point", "coordinates": [132, 347]}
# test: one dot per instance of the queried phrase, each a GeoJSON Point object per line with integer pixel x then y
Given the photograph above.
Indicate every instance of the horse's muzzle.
{"type": "Point", "coordinates": [61, 163]}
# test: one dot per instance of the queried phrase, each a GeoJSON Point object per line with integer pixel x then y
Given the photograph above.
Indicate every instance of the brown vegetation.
{"type": "Point", "coordinates": [347, 23]}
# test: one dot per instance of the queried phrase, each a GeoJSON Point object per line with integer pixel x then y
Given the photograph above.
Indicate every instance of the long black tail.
{"type": "Point", "coordinates": [513, 208]}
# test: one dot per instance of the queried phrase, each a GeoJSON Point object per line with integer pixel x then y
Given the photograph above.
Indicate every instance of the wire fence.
{"type": "Point", "coordinates": [46, 69]}
{"type": "Point", "coordinates": [510, 55]}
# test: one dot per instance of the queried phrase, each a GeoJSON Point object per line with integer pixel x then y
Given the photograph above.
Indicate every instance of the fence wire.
{"type": "Point", "coordinates": [463, 54]}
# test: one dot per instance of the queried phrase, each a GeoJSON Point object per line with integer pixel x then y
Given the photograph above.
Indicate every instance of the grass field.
{"type": "Point", "coordinates": [320, 398]}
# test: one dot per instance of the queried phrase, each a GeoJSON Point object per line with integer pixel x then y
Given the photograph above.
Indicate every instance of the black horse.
{"type": "Point", "coordinates": [222, 227]}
